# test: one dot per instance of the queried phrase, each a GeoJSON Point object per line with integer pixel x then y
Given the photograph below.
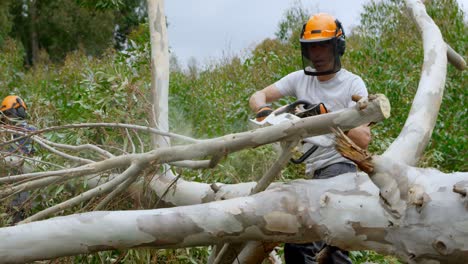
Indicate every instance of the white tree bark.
{"type": "Point", "coordinates": [410, 144]}
{"type": "Point", "coordinates": [345, 211]}
{"type": "Point", "coordinates": [159, 71]}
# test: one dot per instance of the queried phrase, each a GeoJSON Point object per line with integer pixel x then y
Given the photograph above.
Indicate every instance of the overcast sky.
{"type": "Point", "coordinates": [211, 29]}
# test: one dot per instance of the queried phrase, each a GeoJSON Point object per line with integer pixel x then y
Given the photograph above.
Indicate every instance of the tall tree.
{"type": "Point", "coordinates": [159, 71]}
{"type": "Point", "coordinates": [59, 27]}
{"type": "Point", "coordinates": [33, 31]}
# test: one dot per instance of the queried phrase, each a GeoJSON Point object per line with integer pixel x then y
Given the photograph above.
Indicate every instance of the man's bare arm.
{"type": "Point", "coordinates": [266, 95]}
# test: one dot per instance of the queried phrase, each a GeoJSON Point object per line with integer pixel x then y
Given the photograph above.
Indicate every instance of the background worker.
{"type": "Point", "coordinates": [322, 80]}
{"type": "Point", "coordinates": [13, 117]}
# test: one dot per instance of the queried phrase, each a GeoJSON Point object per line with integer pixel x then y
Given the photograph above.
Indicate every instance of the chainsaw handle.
{"type": "Point", "coordinates": [290, 107]}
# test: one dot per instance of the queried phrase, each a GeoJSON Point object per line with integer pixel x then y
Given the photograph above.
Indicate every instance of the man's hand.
{"type": "Point", "coordinates": [360, 135]}
{"type": "Point", "coordinates": [263, 112]}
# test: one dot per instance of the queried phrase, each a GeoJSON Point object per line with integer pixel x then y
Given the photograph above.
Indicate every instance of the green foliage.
{"type": "Point", "coordinates": [62, 26]}
{"type": "Point", "coordinates": [366, 256]}
{"type": "Point", "coordinates": [5, 20]}
{"type": "Point", "coordinates": [11, 65]}
{"type": "Point", "coordinates": [101, 4]}
{"type": "Point", "coordinates": [223, 108]}
{"type": "Point", "coordinates": [143, 256]}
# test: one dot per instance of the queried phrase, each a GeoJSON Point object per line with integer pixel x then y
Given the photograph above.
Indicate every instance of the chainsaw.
{"type": "Point", "coordinates": [294, 111]}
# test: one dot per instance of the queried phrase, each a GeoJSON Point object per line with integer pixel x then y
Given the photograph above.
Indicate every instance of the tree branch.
{"type": "Point", "coordinates": [345, 211]}
{"type": "Point", "coordinates": [113, 125]}
{"type": "Point", "coordinates": [414, 137]}
{"type": "Point", "coordinates": [188, 193]}
{"type": "Point", "coordinates": [62, 154]}
{"type": "Point", "coordinates": [133, 170]}
{"type": "Point", "coordinates": [455, 59]}
{"type": "Point", "coordinates": [103, 153]}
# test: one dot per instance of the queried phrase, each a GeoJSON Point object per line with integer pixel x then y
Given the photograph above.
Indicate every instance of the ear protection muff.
{"type": "Point", "coordinates": [341, 40]}
{"type": "Point", "coordinates": [302, 31]}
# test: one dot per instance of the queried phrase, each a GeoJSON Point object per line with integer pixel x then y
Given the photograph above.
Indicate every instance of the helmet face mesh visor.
{"type": "Point", "coordinates": [320, 57]}
{"type": "Point", "coordinates": [16, 113]}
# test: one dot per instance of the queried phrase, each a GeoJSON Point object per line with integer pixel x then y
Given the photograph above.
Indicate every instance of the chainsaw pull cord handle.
{"type": "Point", "coordinates": [290, 107]}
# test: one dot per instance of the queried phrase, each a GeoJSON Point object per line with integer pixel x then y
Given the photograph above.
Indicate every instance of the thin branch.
{"type": "Point", "coordinates": [174, 181]}
{"type": "Point", "coordinates": [192, 164]}
{"type": "Point", "coordinates": [220, 255]}
{"type": "Point", "coordinates": [135, 168]}
{"type": "Point", "coordinates": [113, 125]}
{"type": "Point", "coordinates": [63, 175]}
{"type": "Point", "coordinates": [312, 126]}
{"type": "Point", "coordinates": [100, 151]}
{"type": "Point", "coordinates": [215, 160]}
{"type": "Point", "coordinates": [455, 59]}
{"type": "Point", "coordinates": [142, 145]}
{"type": "Point", "coordinates": [129, 137]}
{"type": "Point", "coordinates": [120, 189]}
{"type": "Point", "coordinates": [62, 154]}
{"type": "Point", "coordinates": [45, 174]}
{"type": "Point", "coordinates": [34, 160]}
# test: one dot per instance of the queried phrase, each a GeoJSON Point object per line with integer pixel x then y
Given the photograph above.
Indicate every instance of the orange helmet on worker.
{"type": "Point", "coordinates": [13, 107]}
{"type": "Point", "coordinates": [322, 44]}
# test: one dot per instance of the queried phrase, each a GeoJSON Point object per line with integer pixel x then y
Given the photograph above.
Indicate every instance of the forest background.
{"type": "Point", "coordinates": [78, 61]}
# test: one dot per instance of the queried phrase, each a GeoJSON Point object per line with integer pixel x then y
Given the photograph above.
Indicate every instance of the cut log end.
{"type": "Point", "coordinates": [384, 104]}
{"type": "Point", "coordinates": [348, 149]}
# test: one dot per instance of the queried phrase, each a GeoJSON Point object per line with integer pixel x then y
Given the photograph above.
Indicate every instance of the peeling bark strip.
{"type": "Point", "coordinates": [345, 211]}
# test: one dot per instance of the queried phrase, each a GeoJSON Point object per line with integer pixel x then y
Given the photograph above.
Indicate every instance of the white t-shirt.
{"type": "Point", "coordinates": [335, 94]}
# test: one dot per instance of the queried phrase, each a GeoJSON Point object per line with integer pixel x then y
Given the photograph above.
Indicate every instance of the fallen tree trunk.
{"type": "Point", "coordinates": [345, 211]}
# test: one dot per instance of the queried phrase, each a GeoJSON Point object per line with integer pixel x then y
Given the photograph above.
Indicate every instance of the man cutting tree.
{"type": "Point", "coordinates": [322, 81]}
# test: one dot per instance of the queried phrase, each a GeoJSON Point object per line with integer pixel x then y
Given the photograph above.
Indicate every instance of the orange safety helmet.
{"type": "Point", "coordinates": [13, 106]}
{"type": "Point", "coordinates": [322, 45]}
